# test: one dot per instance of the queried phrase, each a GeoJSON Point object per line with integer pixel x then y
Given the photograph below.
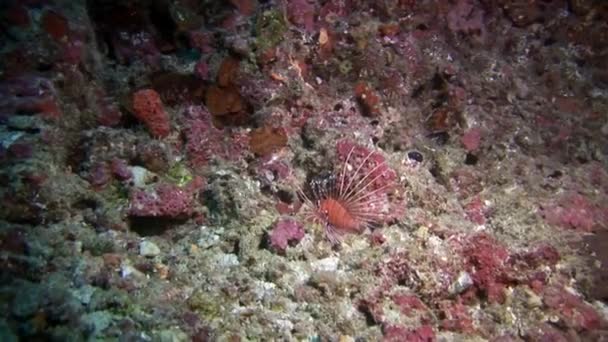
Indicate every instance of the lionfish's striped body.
{"type": "Point", "coordinates": [350, 200]}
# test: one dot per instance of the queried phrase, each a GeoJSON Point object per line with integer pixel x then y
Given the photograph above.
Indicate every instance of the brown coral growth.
{"type": "Point", "coordinates": [265, 140]}
{"type": "Point", "coordinates": [175, 88]}
{"type": "Point", "coordinates": [368, 99]}
{"type": "Point", "coordinates": [222, 101]}
{"type": "Point", "coordinates": [228, 72]}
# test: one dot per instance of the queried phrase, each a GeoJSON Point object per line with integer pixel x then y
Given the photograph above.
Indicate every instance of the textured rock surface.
{"type": "Point", "coordinates": [154, 157]}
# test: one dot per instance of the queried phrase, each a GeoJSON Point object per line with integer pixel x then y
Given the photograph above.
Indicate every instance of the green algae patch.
{"type": "Point", "coordinates": [270, 28]}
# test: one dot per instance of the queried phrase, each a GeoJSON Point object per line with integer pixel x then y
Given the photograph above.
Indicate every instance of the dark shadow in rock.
{"type": "Point", "coordinates": [153, 226]}
{"type": "Point", "coordinates": [597, 247]}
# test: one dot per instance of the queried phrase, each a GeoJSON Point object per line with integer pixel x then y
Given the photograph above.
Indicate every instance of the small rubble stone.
{"type": "Point", "coordinates": [462, 283]}
{"type": "Point", "coordinates": [326, 265]}
{"type": "Point", "coordinates": [127, 270]}
{"type": "Point", "coordinates": [148, 249]}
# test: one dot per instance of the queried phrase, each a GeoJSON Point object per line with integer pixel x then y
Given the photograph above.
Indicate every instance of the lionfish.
{"type": "Point", "coordinates": [349, 200]}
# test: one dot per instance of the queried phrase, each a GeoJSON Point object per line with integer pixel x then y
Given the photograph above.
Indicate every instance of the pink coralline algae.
{"type": "Point", "coordinates": [409, 48]}
{"type": "Point", "coordinates": [466, 182]}
{"type": "Point", "coordinates": [466, 16]}
{"type": "Point", "coordinates": [301, 13]}
{"type": "Point", "coordinates": [99, 175]}
{"type": "Point", "coordinates": [149, 109]}
{"type": "Point", "coordinates": [476, 210]}
{"type": "Point", "coordinates": [574, 211]}
{"type": "Point", "coordinates": [202, 41]}
{"type": "Point", "coordinates": [571, 309]}
{"type": "Point", "coordinates": [72, 48]}
{"type": "Point", "coordinates": [493, 267]}
{"type": "Point", "coordinates": [539, 256]}
{"type": "Point", "coordinates": [394, 270]}
{"type": "Point", "coordinates": [29, 94]}
{"type": "Point", "coordinates": [471, 139]}
{"type": "Point", "coordinates": [456, 317]}
{"type": "Point", "coordinates": [201, 69]}
{"type": "Point", "coordinates": [394, 333]}
{"type": "Point", "coordinates": [487, 261]}
{"type": "Point", "coordinates": [120, 169]}
{"type": "Point", "coordinates": [70, 41]}
{"type": "Point", "coordinates": [335, 9]}
{"type": "Point", "coordinates": [271, 169]}
{"type": "Point", "coordinates": [408, 303]}
{"type": "Point", "coordinates": [165, 200]}
{"type": "Point", "coordinates": [204, 141]}
{"type": "Point", "coordinates": [286, 231]}
{"type": "Point", "coordinates": [107, 110]}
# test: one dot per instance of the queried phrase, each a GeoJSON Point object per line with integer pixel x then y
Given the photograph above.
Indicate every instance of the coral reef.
{"type": "Point", "coordinates": [169, 170]}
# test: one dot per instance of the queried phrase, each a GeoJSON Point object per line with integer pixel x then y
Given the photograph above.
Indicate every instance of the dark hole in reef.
{"type": "Point", "coordinates": [338, 107]}
{"type": "Point", "coordinates": [27, 112]}
{"type": "Point", "coordinates": [415, 155]}
{"type": "Point", "coordinates": [440, 100]}
{"type": "Point", "coordinates": [145, 267]}
{"type": "Point", "coordinates": [101, 279]}
{"type": "Point", "coordinates": [22, 211]}
{"type": "Point", "coordinates": [153, 226]}
{"type": "Point", "coordinates": [33, 130]}
{"type": "Point", "coordinates": [549, 41]}
{"type": "Point", "coordinates": [85, 203]}
{"type": "Point", "coordinates": [307, 141]}
{"type": "Point", "coordinates": [417, 91]}
{"type": "Point", "coordinates": [375, 140]}
{"type": "Point", "coordinates": [285, 196]}
{"type": "Point", "coordinates": [130, 122]}
{"type": "Point", "coordinates": [76, 155]}
{"type": "Point", "coordinates": [250, 159]}
{"type": "Point", "coordinates": [403, 282]}
{"type": "Point", "coordinates": [555, 174]}
{"type": "Point", "coordinates": [596, 246]}
{"type": "Point", "coordinates": [42, 67]}
{"type": "Point", "coordinates": [183, 41]}
{"type": "Point", "coordinates": [236, 247]}
{"type": "Point", "coordinates": [435, 171]}
{"type": "Point", "coordinates": [397, 147]}
{"type": "Point", "coordinates": [439, 138]}
{"type": "Point", "coordinates": [266, 189]}
{"type": "Point", "coordinates": [162, 21]}
{"type": "Point", "coordinates": [471, 159]}
{"type": "Point", "coordinates": [374, 123]}
{"type": "Point", "coordinates": [218, 210]}
{"type": "Point", "coordinates": [264, 242]}
{"type": "Point", "coordinates": [437, 82]}
{"type": "Point", "coordinates": [369, 317]}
